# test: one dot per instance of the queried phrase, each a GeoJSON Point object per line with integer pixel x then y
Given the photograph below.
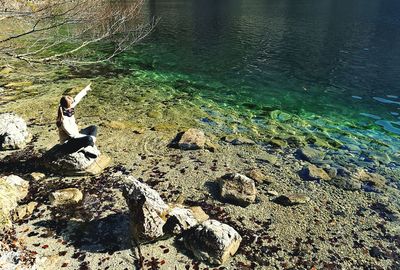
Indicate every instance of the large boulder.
{"type": "Point", "coordinates": [192, 139]}
{"type": "Point", "coordinates": [212, 241]}
{"type": "Point", "coordinates": [87, 160]}
{"type": "Point", "coordinates": [12, 189]}
{"type": "Point", "coordinates": [13, 132]}
{"type": "Point", "coordinates": [147, 210]}
{"type": "Point", "coordinates": [237, 189]}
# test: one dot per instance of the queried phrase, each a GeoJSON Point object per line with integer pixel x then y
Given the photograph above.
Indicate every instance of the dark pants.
{"type": "Point", "coordinates": [74, 144]}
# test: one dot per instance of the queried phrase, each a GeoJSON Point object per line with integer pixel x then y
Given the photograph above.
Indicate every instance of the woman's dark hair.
{"type": "Point", "coordinates": [65, 102]}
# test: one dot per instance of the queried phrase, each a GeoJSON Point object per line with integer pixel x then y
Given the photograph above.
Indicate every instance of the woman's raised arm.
{"type": "Point", "coordinates": [80, 95]}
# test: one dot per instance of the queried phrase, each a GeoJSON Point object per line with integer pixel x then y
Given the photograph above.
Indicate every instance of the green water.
{"type": "Point", "coordinates": [307, 67]}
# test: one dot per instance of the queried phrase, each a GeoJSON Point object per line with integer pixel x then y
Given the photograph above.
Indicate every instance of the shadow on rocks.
{"type": "Point", "coordinates": [175, 141]}
{"type": "Point", "coordinates": [213, 188]}
{"type": "Point", "coordinates": [104, 235]}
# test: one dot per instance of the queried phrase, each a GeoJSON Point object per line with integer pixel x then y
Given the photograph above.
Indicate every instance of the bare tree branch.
{"type": "Point", "coordinates": [43, 31]}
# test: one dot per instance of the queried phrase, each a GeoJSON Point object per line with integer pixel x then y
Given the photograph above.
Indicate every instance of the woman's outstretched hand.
{"type": "Point", "coordinates": [88, 87]}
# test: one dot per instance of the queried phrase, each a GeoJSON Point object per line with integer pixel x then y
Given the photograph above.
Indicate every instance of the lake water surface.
{"type": "Point", "coordinates": [335, 63]}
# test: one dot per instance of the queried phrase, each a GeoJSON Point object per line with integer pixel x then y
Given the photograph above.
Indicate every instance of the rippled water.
{"type": "Point", "coordinates": [339, 60]}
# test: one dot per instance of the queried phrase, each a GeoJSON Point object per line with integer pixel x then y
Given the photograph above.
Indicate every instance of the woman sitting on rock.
{"type": "Point", "coordinates": [71, 139]}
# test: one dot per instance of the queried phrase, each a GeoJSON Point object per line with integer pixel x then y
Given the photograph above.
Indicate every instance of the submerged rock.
{"type": "Point", "coordinates": [12, 189]}
{"type": "Point", "coordinates": [212, 241]}
{"type": "Point", "coordinates": [147, 210]}
{"type": "Point", "coordinates": [312, 172]}
{"type": "Point", "coordinates": [310, 154]}
{"type": "Point", "coordinates": [13, 132]}
{"type": "Point", "coordinates": [67, 196]}
{"type": "Point", "coordinates": [373, 179]}
{"type": "Point", "coordinates": [192, 139]}
{"type": "Point", "coordinates": [238, 189]}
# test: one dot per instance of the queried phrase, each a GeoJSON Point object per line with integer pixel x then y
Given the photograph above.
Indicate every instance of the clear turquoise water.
{"type": "Point", "coordinates": [334, 63]}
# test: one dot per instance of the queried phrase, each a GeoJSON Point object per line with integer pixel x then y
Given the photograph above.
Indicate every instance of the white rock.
{"type": "Point", "coordinates": [13, 132]}
{"type": "Point", "coordinates": [212, 241]}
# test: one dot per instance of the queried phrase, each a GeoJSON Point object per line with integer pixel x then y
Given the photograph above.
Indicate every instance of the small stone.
{"type": "Point", "coordinates": [210, 146]}
{"type": "Point", "coordinates": [37, 176]}
{"type": "Point", "coordinates": [312, 172]}
{"type": "Point", "coordinates": [332, 172]}
{"type": "Point", "coordinates": [310, 154]}
{"type": "Point", "coordinates": [179, 219]}
{"type": "Point", "coordinates": [212, 241]}
{"type": "Point", "coordinates": [272, 192]}
{"type": "Point", "coordinates": [154, 114]}
{"type": "Point", "coordinates": [199, 214]}
{"type": "Point", "coordinates": [238, 189]}
{"type": "Point", "coordinates": [257, 175]}
{"type": "Point", "coordinates": [237, 140]}
{"type": "Point", "coordinates": [292, 199]}
{"type": "Point", "coordinates": [346, 183]}
{"type": "Point", "coordinates": [271, 159]}
{"type": "Point", "coordinates": [373, 179]}
{"type": "Point", "coordinates": [192, 139]}
{"type": "Point", "coordinates": [65, 196]}
{"type": "Point", "coordinates": [278, 143]}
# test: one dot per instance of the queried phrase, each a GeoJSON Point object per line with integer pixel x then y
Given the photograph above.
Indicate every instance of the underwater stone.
{"type": "Point", "coordinates": [310, 154]}
{"type": "Point", "coordinates": [13, 132]}
{"type": "Point", "coordinates": [212, 241]}
{"type": "Point", "coordinates": [312, 172]}
{"type": "Point", "coordinates": [236, 140]}
{"type": "Point", "coordinates": [374, 179]}
{"type": "Point", "coordinates": [238, 189]}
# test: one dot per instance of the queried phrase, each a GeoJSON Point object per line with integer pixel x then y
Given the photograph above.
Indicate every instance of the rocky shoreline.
{"type": "Point", "coordinates": [295, 207]}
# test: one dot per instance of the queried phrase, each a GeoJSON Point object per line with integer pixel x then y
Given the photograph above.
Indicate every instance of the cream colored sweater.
{"type": "Point", "coordinates": [68, 128]}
